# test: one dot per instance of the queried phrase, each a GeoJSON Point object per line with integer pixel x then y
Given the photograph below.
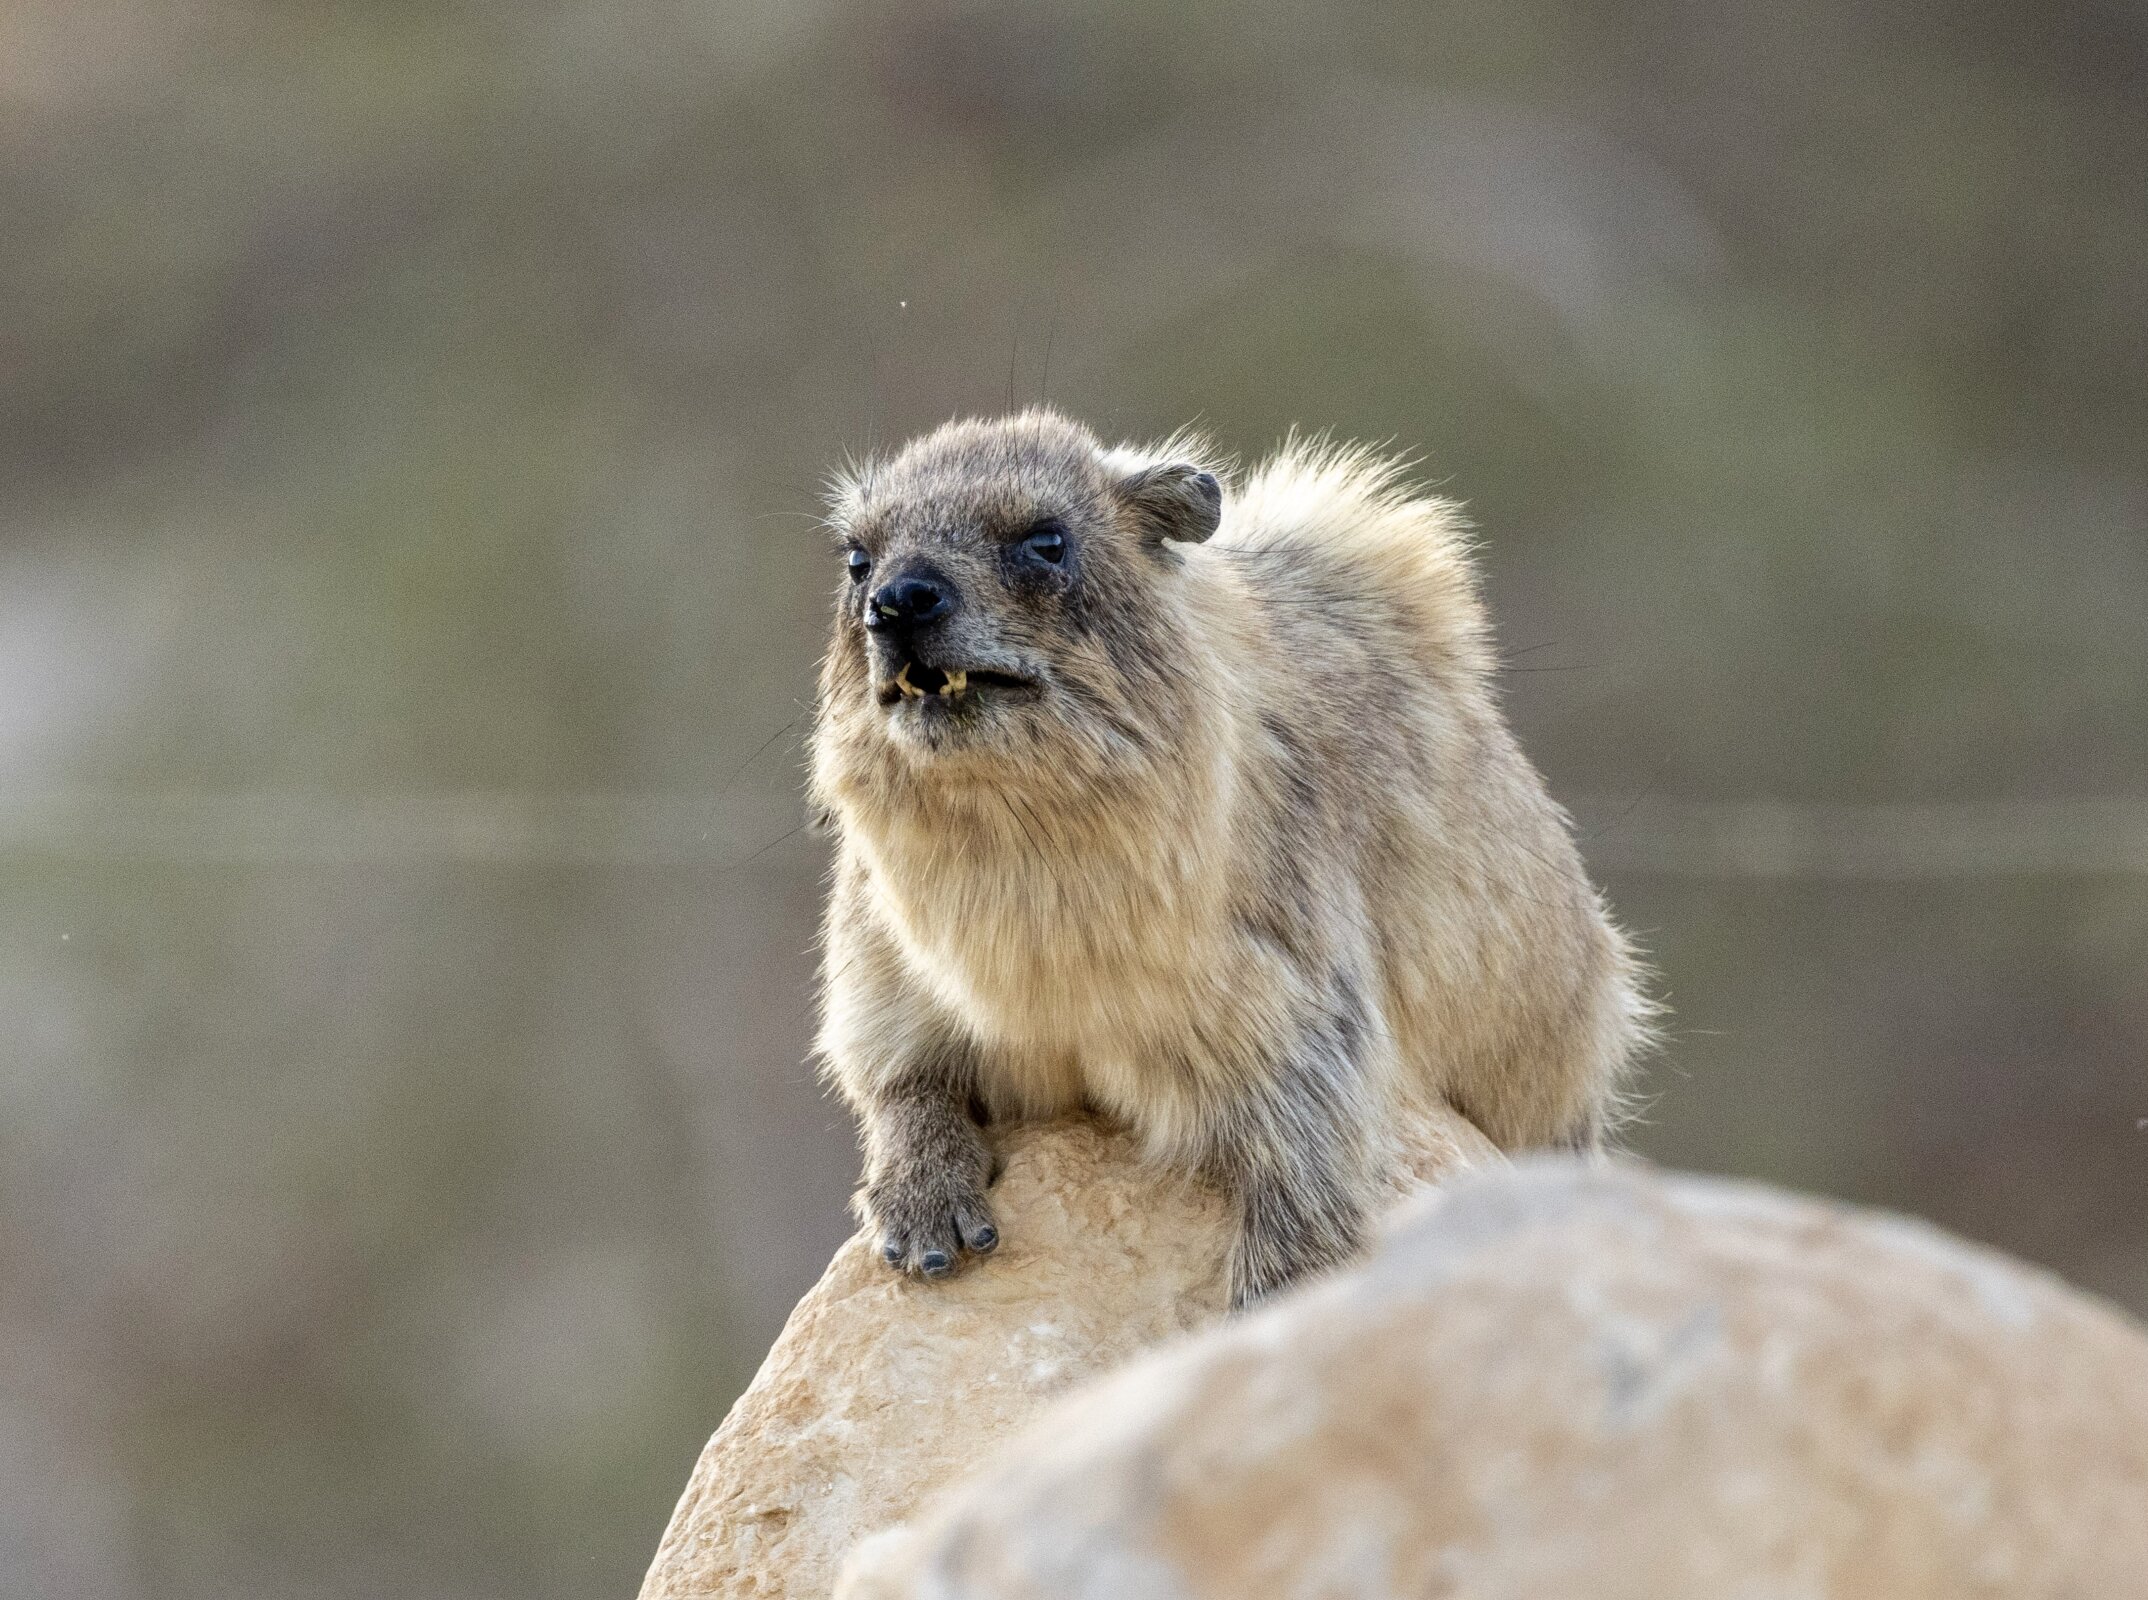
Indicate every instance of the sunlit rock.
{"type": "Point", "coordinates": [1556, 1382]}
{"type": "Point", "coordinates": [880, 1389]}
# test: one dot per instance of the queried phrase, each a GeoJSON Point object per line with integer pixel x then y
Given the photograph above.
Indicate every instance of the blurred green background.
{"type": "Point", "coordinates": [410, 423]}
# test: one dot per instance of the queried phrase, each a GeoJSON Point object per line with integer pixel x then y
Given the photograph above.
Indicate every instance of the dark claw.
{"type": "Point", "coordinates": [984, 1238]}
{"type": "Point", "coordinates": [891, 1253]}
{"type": "Point", "coordinates": [936, 1263]}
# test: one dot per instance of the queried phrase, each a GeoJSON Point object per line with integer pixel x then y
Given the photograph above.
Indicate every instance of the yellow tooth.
{"type": "Point", "coordinates": [902, 681]}
{"type": "Point", "coordinates": [956, 682]}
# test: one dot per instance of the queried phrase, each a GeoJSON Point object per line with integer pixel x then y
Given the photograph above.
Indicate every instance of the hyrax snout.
{"type": "Point", "coordinates": [1188, 802]}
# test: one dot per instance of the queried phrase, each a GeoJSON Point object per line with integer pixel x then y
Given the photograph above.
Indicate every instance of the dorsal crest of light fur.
{"type": "Point", "coordinates": [1352, 500]}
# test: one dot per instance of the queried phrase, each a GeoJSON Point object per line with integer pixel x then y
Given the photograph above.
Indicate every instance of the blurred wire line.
{"type": "Point", "coordinates": [1665, 838]}
{"type": "Point", "coordinates": [266, 829]}
{"type": "Point", "coordinates": [1888, 841]}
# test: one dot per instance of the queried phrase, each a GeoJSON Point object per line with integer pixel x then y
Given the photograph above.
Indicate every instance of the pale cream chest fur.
{"type": "Point", "coordinates": [1092, 973]}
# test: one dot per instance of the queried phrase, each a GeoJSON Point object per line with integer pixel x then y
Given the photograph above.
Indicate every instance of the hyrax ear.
{"type": "Point", "coordinates": [1168, 499]}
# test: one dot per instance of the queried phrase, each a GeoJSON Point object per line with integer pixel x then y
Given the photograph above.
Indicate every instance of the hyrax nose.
{"type": "Point", "coordinates": [914, 601]}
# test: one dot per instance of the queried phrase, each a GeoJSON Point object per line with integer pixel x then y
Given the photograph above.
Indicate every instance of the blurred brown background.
{"type": "Point", "coordinates": [410, 422]}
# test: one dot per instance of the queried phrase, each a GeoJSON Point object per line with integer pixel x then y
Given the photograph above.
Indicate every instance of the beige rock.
{"type": "Point", "coordinates": [1560, 1382]}
{"type": "Point", "coordinates": [879, 1390]}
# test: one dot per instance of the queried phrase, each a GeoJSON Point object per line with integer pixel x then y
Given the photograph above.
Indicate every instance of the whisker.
{"type": "Point", "coordinates": [758, 751]}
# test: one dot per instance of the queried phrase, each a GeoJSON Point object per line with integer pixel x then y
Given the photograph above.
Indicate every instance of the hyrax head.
{"type": "Point", "coordinates": [1009, 581]}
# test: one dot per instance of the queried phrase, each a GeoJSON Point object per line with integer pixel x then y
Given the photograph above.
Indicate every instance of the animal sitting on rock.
{"type": "Point", "coordinates": [1188, 802]}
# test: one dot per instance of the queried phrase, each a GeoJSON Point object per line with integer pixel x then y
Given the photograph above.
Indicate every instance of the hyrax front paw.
{"type": "Point", "coordinates": [922, 1224]}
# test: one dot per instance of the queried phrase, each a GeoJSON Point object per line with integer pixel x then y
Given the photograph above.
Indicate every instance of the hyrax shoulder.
{"type": "Point", "coordinates": [1189, 802]}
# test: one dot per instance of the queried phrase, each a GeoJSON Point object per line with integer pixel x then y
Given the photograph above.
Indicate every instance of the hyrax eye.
{"type": "Point", "coordinates": [1047, 541]}
{"type": "Point", "coordinates": [859, 564]}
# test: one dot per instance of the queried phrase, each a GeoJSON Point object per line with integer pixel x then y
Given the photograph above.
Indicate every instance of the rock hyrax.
{"type": "Point", "coordinates": [1189, 803]}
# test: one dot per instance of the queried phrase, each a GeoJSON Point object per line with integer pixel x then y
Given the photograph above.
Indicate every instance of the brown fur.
{"type": "Point", "coordinates": [1254, 863]}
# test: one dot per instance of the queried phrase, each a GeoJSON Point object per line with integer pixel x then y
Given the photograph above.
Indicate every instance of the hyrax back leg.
{"type": "Point", "coordinates": [1294, 1159]}
{"type": "Point", "coordinates": [926, 1170]}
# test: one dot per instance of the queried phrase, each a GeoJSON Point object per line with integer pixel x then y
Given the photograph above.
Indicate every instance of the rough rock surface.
{"type": "Point", "coordinates": [880, 1390]}
{"type": "Point", "coordinates": [1559, 1381]}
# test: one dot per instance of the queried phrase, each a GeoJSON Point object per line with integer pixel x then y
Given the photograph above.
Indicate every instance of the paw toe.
{"type": "Point", "coordinates": [925, 1233]}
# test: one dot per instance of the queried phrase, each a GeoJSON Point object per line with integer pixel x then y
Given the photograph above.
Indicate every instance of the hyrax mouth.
{"type": "Point", "coordinates": [916, 681]}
